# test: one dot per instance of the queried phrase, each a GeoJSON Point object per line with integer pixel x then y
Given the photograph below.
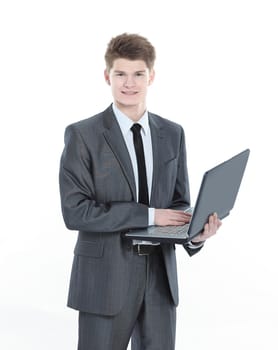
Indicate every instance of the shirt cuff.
{"type": "Point", "coordinates": [195, 245]}
{"type": "Point", "coordinates": [151, 216]}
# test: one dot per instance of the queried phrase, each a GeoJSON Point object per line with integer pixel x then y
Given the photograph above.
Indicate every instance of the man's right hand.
{"type": "Point", "coordinates": [170, 217]}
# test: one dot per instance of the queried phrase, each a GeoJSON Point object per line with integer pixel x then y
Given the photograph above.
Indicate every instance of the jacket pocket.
{"type": "Point", "coordinates": [169, 160]}
{"type": "Point", "coordinates": [90, 249]}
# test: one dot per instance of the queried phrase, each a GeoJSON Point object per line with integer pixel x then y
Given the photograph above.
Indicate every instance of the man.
{"type": "Point", "coordinates": [108, 185]}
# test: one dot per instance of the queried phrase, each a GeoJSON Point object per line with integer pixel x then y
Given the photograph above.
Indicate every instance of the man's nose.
{"type": "Point", "coordinates": [129, 81]}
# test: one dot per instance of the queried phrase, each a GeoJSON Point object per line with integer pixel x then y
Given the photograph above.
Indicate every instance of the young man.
{"type": "Point", "coordinates": [115, 176]}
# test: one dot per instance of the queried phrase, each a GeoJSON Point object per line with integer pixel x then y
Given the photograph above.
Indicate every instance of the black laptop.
{"type": "Point", "coordinates": [217, 194]}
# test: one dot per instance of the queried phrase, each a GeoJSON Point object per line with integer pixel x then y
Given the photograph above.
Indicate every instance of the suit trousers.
{"type": "Point", "coordinates": [148, 316]}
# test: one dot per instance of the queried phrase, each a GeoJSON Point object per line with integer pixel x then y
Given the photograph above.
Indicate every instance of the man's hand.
{"type": "Point", "coordinates": [210, 229]}
{"type": "Point", "coordinates": [170, 217]}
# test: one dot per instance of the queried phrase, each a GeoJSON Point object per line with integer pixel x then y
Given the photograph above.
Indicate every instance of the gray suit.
{"type": "Point", "coordinates": [98, 198]}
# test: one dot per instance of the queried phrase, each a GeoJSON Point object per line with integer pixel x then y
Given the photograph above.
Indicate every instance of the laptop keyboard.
{"type": "Point", "coordinates": [170, 230]}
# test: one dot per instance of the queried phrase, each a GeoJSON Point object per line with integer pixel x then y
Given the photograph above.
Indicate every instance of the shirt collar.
{"type": "Point", "coordinates": [126, 123]}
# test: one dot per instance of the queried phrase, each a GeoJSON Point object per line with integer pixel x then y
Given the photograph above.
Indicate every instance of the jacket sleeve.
{"type": "Point", "coordinates": [181, 197]}
{"type": "Point", "coordinates": [80, 209]}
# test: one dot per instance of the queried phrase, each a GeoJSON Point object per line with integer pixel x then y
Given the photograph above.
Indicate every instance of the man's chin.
{"type": "Point", "coordinates": [129, 104]}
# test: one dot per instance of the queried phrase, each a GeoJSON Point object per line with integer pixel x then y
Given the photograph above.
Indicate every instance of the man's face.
{"type": "Point", "coordinates": [129, 82]}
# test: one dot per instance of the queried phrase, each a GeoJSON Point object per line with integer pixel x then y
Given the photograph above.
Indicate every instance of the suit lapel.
{"type": "Point", "coordinates": [157, 144]}
{"type": "Point", "coordinates": [115, 140]}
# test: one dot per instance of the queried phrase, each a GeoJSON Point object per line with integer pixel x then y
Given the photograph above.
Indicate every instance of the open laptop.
{"type": "Point", "coordinates": [217, 194]}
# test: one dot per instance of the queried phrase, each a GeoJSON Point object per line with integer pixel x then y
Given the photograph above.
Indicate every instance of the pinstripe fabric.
{"type": "Point", "coordinates": [149, 313]}
{"type": "Point", "coordinates": [98, 198]}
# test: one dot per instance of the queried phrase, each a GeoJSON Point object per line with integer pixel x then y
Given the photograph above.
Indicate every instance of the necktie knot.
{"type": "Point", "coordinates": [136, 128]}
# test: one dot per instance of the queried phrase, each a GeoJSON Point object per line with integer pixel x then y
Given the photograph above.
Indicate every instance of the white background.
{"type": "Point", "coordinates": [217, 76]}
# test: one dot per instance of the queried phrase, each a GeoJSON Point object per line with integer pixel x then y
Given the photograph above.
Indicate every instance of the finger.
{"type": "Point", "coordinates": [216, 221]}
{"type": "Point", "coordinates": [179, 216]}
{"type": "Point", "coordinates": [219, 223]}
{"type": "Point", "coordinates": [211, 228]}
{"type": "Point", "coordinates": [214, 218]}
{"type": "Point", "coordinates": [206, 230]}
{"type": "Point", "coordinates": [179, 219]}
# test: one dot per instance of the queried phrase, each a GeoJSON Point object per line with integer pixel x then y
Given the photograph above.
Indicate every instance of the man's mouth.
{"type": "Point", "coordinates": [129, 93]}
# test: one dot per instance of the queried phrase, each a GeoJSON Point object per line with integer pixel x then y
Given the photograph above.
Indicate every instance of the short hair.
{"type": "Point", "coordinates": [132, 47]}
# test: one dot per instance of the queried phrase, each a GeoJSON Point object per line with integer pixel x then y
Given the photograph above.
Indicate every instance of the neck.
{"type": "Point", "coordinates": [134, 113]}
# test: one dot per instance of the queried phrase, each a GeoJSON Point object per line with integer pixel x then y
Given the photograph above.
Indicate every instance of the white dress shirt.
{"type": "Point", "coordinates": [125, 124]}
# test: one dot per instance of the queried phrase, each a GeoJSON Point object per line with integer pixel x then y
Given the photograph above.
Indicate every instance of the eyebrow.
{"type": "Point", "coordinates": [138, 71]}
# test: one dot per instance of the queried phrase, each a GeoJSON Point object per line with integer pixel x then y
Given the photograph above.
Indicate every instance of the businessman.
{"type": "Point", "coordinates": [120, 169]}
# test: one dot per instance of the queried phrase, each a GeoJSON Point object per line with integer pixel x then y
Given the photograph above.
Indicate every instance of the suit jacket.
{"type": "Point", "coordinates": [98, 197]}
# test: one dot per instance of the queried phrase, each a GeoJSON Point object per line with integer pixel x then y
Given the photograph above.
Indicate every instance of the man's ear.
{"type": "Point", "coordinates": [106, 76]}
{"type": "Point", "coordinates": [152, 76]}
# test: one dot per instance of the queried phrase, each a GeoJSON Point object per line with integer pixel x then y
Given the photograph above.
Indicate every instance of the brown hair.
{"type": "Point", "coordinates": [131, 47]}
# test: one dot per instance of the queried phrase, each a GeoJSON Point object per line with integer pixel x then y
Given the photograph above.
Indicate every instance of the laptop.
{"type": "Point", "coordinates": [217, 194]}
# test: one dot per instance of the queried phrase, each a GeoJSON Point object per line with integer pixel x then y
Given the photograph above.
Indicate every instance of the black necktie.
{"type": "Point", "coordinates": [142, 176]}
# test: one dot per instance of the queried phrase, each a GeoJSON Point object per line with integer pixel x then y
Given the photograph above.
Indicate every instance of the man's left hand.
{"type": "Point", "coordinates": [210, 229]}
